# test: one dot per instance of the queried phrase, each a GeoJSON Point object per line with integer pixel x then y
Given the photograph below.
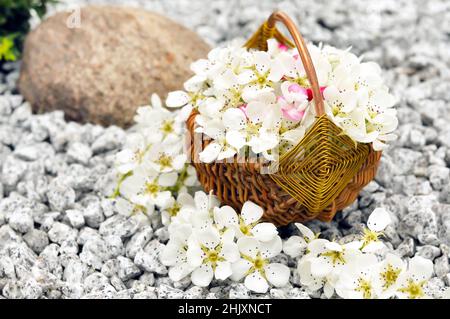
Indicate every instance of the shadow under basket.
{"type": "Point", "coordinates": [321, 175]}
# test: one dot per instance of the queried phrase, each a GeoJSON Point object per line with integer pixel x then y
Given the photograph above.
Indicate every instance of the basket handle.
{"type": "Point", "coordinates": [268, 30]}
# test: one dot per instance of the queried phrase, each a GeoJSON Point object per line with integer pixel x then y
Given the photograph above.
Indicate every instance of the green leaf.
{"type": "Point", "coordinates": [7, 49]}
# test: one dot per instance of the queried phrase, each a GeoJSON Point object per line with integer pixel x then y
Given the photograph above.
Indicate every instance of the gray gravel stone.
{"type": "Point", "coordinates": [60, 196]}
{"type": "Point", "coordinates": [439, 176]}
{"type": "Point", "coordinates": [93, 215]}
{"type": "Point", "coordinates": [119, 225]}
{"type": "Point", "coordinates": [61, 232]}
{"type": "Point", "coordinates": [441, 266]}
{"type": "Point", "coordinates": [167, 292]}
{"type": "Point", "coordinates": [21, 220]}
{"type": "Point", "coordinates": [12, 171]}
{"type": "Point", "coordinates": [138, 241]}
{"type": "Point", "coordinates": [428, 239]}
{"type": "Point", "coordinates": [36, 240]}
{"type": "Point", "coordinates": [239, 291]}
{"type": "Point", "coordinates": [75, 217]}
{"type": "Point", "coordinates": [406, 248]}
{"type": "Point", "coordinates": [79, 153]}
{"type": "Point", "coordinates": [127, 269]}
{"type": "Point", "coordinates": [428, 252]}
{"type": "Point", "coordinates": [34, 152]}
{"type": "Point", "coordinates": [193, 293]}
{"type": "Point", "coordinates": [111, 139]}
{"type": "Point", "coordinates": [95, 252]}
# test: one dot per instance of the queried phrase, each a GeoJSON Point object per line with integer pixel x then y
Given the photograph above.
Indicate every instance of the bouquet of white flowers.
{"type": "Point", "coordinates": [314, 118]}
{"type": "Point", "coordinates": [258, 101]}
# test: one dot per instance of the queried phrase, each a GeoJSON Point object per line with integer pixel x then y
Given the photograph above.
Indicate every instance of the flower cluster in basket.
{"type": "Point", "coordinates": [257, 102]}
{"type": "Point", "coordinates": [209, 242]}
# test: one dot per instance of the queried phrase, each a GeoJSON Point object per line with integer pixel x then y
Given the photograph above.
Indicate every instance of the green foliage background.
{"type": "Point", "coordinates": [14, 24]}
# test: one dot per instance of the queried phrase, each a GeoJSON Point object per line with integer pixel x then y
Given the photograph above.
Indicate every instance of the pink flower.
{"type": "Point", "coordinates": [282, 47]}
{"type": "Point", "coordinates": [310, 95]}
{"type": "Point", "coordinates": [291, 113]}
{"type": "Point", "coordinates": [293, 101]}
{"type": "Point", "coordinates": [295, 88]}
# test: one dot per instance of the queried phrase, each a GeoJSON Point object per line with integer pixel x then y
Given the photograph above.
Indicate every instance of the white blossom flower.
{"type": "Point", "coordinates": [255, 265]}
{"type": "Point", "coordinates": [135, 152]}
{"type": "Point", "coordinates": [260, 76]}
{"type": "Point", "coordinates": [132, 206]}
{"type": "Point", "coordinates": [412, 281]}
{"type": "Point", "coordinates": [199, 213]}
{"type": "Point", "coordinates": [157, 122]}
{"type": "Point", "coordinates": [258, 127]}
{"type": "Point", "coordinates": [247, 223]}
{"type": "Point", "coordinates": [174, 254]}
{"type": "Point", "coordinates": [211, 255]}
{"type": "Point", "coordinates": [330, 257]}
{"type": "Point", "coordinates": [356, 281]}
{"type": "Point", "coordinates": [164, 161]}
{"type": "Point", "coordinates": [147, 185]}
{"type": "Point", "coordinates": [378, 220]}
{"type": "Point", "coordinates": [387, 275]}
{"type": "Point", "coordinates": [294, 246]}
{"type": "Point", "coordinates": [323, 261]}
{"type": "Point", "coordinates": [173, 206]}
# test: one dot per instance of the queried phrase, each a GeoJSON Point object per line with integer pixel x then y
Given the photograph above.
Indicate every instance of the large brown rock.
{"type": "Point", "coordinates": [102, 71]}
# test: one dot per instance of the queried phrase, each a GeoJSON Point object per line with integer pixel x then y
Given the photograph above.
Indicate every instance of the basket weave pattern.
{"type": "Point", "coordinates": [322, 174]}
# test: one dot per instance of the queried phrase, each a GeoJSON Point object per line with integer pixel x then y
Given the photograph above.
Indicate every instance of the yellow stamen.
{"type": "Point", "coordinates": [152, 188]}
{"type": "Point", "coordinates": [365, 287]}
{"type": "Point", "coordinates": [337, 257]}
{"type": "Point", "coordinates": [389, 276]}
{"type": "Point", "coordinates": [370, 236]}
{"type": "Point", "coordinates": [167, 127]}
{"type": "Point", "coordinates": [413, 290]}
{"type": "Point", "coordinates": [174, 210]}
{"type": "Point", "coordinates": [212, 256]}
{"type": "Point", "coordinates": [165, 161]}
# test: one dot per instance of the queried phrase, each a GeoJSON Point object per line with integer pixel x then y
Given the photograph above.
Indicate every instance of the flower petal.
{"type": "Point", "coordinates": [179, 271]}
{"type": "Point", "coordinates": [255, 282]}
{"type": "Point", "coordinates": [321, 266]}
{"type": "Point", "coordinates": [195, 255]}
{"type": "Point", "coordinates": [230, 252]}
{"type": "Point", "coordinates": [225, 216]}
{"type": "Point", "coordinates": [294, 246]}
{"type": "Point", "coordinates": [264, 231]}
{"type": "Point", "coordinates": [171, 255]}
{"type": "Point", "coordinates": [271, 248]}
{"type": "Point", "coordinates": [248, 246]}
{"type": "Point", "coordinates": [202, 275]}
{"type": "Point", "coordinates": [210, 153]}
{"type": "Point", "coordinates": [209, 238]}
{"type": "Point", "coordinates": [277, 274]}
{"type": "Point", "coordinates": [240, 269]}
{"type": "Point", "coordinates": [305, 231]}
{"type": "Point", "coordinates": [251, 212]}
{"type": "Point", "coordinates": [235, 139]}
{"type": "Point", "coordinates": [333, 246]}
{"type": "Point", "coordinates": [378, 220]}
{"type": "Point", "coordinates": [420, 268]}
{"type": "Point", "coordinates": [177, 99]}
{"type": "Point", "coordinates": [223, 270]}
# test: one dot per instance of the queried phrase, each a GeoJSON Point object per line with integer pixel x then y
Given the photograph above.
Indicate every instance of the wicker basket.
{"type": "Point", "coordinates": [322, 174]}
